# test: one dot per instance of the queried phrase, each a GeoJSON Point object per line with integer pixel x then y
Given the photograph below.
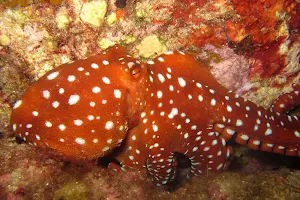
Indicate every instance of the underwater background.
{"type": "Point", "coordinates": [251, 47]}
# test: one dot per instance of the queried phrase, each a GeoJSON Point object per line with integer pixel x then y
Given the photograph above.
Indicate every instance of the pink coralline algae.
{"type": "Point", "coordinates": [223, 67]}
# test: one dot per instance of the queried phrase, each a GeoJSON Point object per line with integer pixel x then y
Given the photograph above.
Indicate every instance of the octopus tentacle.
{"type": "Point", "coordinates": [253, 125]}
{"type": "Point", "coordinates": [161, 166]}
{"type": "Point", "coordinates": [133, 150]}
{"type": "Point", "coordinates": [207, 155]}
{"type": "Point", "coordinates": [288, 101]}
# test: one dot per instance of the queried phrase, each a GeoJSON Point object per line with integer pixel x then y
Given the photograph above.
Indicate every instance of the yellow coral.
{"type": "Point", "coordinates": [283, 29]}
{"type": "Point", "coordinates": [4, 40]}
{"type": "Point", "coordinates": [151, 46]}
{"type": "Point", "coordinates": [104, 43]}
{"type": "Point", "coordinates": [62, 18]}
{"type": "Point", "coordinates": [143, 10]}
{"type": "Point", "coordinates": [284, 47]}
{"type": "Point", "coordinates": [93, 12]}
{"type": "Point", "coordinates": [112, 18]}
{"type": "Point", "coordinates": [128, 39]}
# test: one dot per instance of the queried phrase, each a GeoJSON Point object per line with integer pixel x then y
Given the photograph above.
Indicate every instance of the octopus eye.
{"type": "Point", "coordinates": [136, 71]}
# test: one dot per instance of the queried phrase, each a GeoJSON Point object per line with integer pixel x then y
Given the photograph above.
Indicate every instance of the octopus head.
{"type": "Point", "coordinates": [83, 110]}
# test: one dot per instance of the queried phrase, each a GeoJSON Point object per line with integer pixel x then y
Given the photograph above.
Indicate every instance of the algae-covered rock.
{"type": "Point", "coordinates": [62, 18]}
{"type": "Point", "coordinates": [93, 12]}
{"type": "Point", "coordinates": [71, 191]}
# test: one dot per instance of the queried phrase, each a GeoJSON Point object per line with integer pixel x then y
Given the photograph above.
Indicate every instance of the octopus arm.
{"type": "Point", "coordinates": [288, 101]}
{"type": "Point", "coordinates": [161, 166]}
{"type": "Point", "coordinates": [258, 128]}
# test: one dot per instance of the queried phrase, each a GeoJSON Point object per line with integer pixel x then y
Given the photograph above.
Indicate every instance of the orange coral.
{"type": "Point", "coordinates": [266, 61]}
{"type": "Point", "coordinates": [261, 21]}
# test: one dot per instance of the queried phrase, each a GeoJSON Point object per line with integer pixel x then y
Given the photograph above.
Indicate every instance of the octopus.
{"type": "Point", "coordinates": [151, 110]}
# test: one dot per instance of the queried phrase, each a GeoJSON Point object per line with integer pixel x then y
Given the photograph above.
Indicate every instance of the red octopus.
{"type": "Point", "coordinates": [172, 104]}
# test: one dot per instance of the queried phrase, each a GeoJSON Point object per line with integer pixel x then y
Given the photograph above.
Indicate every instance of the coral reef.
{"type": "Point", "coordinates": [27, 173]}
{"type": "Point", "coordinates": [258, 45]}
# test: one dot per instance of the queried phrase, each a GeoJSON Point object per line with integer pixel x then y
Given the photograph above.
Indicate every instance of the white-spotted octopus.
{"type": "Point", "coordinates": [172, 104]}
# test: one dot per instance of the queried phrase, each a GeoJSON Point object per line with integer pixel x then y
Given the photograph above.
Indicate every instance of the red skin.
{"type": "Point", "coordinates": [88, 91]}
{"type": "Point", "coordinates": [170, 105]}
{"type": "Point", "coordinates": [287, 101]}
